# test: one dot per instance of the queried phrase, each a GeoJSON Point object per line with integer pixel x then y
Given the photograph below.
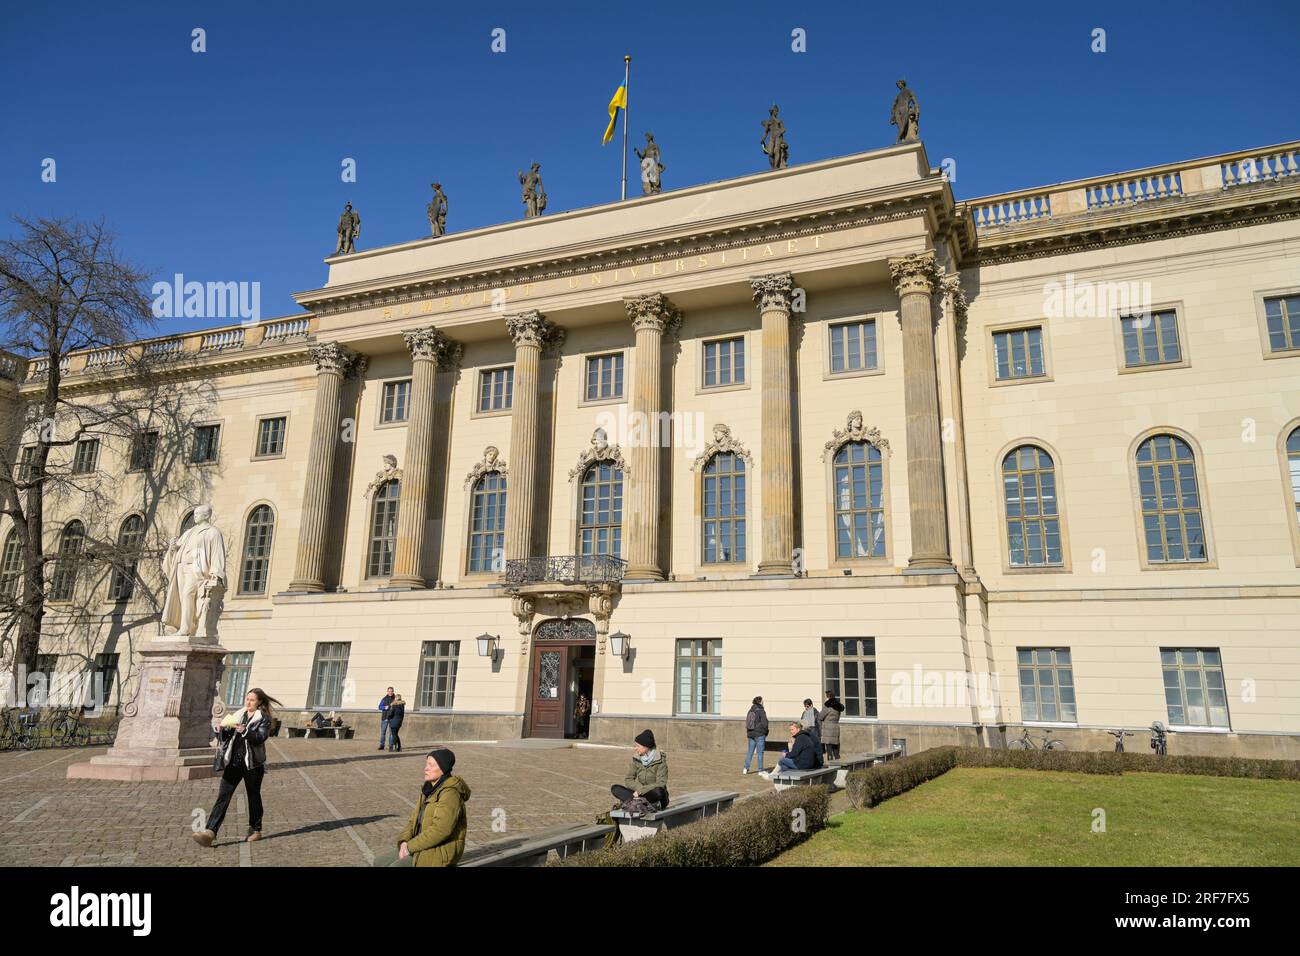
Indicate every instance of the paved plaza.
{"type": "Point", "coordinates": [328, 803]}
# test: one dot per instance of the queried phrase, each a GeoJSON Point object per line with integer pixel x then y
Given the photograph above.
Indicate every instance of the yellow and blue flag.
{"type": "Point", "coordinates": [619, 102]}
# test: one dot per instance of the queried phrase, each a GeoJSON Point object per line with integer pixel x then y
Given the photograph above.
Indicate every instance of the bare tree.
{"type": "Point", "coordinates": [65, 288]}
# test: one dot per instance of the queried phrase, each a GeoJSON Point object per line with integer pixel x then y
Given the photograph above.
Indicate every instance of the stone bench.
{"type": "Point", "coordinates": [847, 765]}
{"type": "Point", "coordinates": [532, 849]}
{"type": "Point", "coordinates": [340, 733]}
{"type": "Point", "coordinates": [784, 779]}
{"type": "Point", "coordinates": [684, 809]}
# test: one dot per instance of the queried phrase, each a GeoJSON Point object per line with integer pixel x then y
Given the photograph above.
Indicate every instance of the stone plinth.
{"type": "Point", "coordinates": [166, 730]}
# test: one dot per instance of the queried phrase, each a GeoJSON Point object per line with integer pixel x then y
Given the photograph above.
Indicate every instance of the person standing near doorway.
{"type": "Point", "coordinates": [829, 722]}
{"type": "Point", "coordinates": [242, 756]}
{"type": "Point", "coordinates": [756, 731]}
{"type": "Point", "coordinates": [384, 703]}
{"type": "Point", "coordinates": [581, 716]}
{"type": "Point", "coordinates": [396, 714]}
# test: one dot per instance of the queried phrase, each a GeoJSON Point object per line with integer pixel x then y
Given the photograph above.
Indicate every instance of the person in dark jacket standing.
{"type": "Point", "coordinates": [802, 754]}
{"type": "Point", "coordinates": [242, 756]}
{"type": "Point", "coordinates": [756, 730]}
{"type": "Point", "coordinates": [396, 714]}
{"type": "Point", "coordinates": [647, 777]}
{"type": "Point", "coordinates": [829, 721]}
{"type": "Point", "coordinates": [384, 703]}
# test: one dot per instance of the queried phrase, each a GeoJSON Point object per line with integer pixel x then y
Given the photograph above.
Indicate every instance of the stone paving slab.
{"type": "Point", "coordinates": [328, 802]}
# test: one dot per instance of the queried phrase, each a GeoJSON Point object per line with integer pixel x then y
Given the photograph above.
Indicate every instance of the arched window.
{"type": "Point", "coordinates": [258, 534]}
{"type": "Point", "coordinates": [723, 508]}
{"type": "Point", "coordinates": [1171, 503]}
{"type": "Point", "coordinates": [383, 530]}
{"type": "Point", "coordinates": [487, 523]}
{"type": "Point", "coordinates": [601, 528]}
{"type": "Point", "coordinates": [859, 489]}
{"type": "Point", "coordinates": [71, 543]}
{"type": "Point", "coordinates": [1031, 507]}
{"type": "Point", "coordinates": [130, 538]}
{"type": "Point", "coordinates": [11, 566]}
{"type": "Point", "coordinates": [1293, 467]}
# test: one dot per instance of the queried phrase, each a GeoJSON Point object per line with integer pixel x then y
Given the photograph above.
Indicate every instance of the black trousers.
{"type": "Point", "coordinates": [658, 795]}
{"type": "Point", "coordinates": [252, 786]}
{"type": "Point", "coordinates": [831, 751]}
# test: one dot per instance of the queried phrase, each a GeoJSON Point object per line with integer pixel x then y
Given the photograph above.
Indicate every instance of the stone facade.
{"type": "Point", "coordinates": [637, 318]}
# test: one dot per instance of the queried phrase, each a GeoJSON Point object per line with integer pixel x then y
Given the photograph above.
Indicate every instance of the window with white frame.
{"type": "Point", "coordinates": [1046, 684]}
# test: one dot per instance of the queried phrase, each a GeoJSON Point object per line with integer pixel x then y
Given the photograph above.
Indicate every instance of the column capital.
{"type": "Point", "coordinates": [773, 292]}
{"type": "Point", "coordinates": [430, 345]}
{"type": "Point", "coordinates": [953, 293]}
{"type": "Point", "coordinates": [654, 312]}
{"type": "Point", "coordinates": [915, 272]}
{"type": "Point", "coordinates": [336, 358]}
{"type": "Point", "coordinates": [531, 328]}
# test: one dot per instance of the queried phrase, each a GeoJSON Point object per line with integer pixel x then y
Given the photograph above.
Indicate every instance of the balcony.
{"type": "Point", "coordinates": [565, 570]}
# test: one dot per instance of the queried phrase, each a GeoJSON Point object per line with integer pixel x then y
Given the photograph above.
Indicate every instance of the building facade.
{"type": "Point", "coordinates": [1026, 461]}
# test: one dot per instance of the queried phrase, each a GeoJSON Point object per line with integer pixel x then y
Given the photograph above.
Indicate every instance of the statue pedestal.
{"type": "Point", "coordinates": [166, 731]}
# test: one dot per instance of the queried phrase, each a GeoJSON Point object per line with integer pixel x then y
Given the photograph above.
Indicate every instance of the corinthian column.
{"type": "Point", "coordinates": [531, 333]}
{"type": "Point", "coordinates": [333, 364]}
{"type": "Point", "coordinates": [915, 277]}
{"type": "Point", "coordinates": [430, 350]}
{"type": "Point", "coordinates": [652, 316]}
{"type": "Point", "coordinates": [773, 293]}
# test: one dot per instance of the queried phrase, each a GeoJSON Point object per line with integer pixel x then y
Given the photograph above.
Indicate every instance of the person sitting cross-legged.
{"type": "Point", "coordinates": [802, 753]}
{"type": "Point", "coordinates": [647, 777]}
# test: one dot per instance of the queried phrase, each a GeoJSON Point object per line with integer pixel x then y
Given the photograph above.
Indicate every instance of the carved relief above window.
{"type": "Point", "coordinates": [723, 442]}
{"type": "Point", "coordinates": [389, 473]}
{"type": "Point", "coordinates": [854, 430]}
{"type": "Point", "coordinates": [565, 629]}
{"type": "Point", "coordinates": [600, 450]}
{"type": "Point", "coordinates": [491, 461]}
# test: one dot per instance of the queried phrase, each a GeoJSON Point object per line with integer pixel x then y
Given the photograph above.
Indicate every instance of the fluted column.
{"type": "Point", "coordinates": [916, 277]}
{"type": "Point", "coordinates": [531, 333]}
{"type": "Point", "coordinates": [652, 316]}
{"type": "Point", "coordinates": [430, 350]}
{"type": "Point", "coordinates": [333, 364]}
{"type": "Point", "coordinates": [773, 294]}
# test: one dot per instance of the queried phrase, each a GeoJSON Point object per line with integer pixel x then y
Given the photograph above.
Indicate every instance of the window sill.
{"type": "Point", "coordinates": [1182, 729]}
{"type": "Point", "coordinates": [1025, 380]}
{"type": "Point", "coordinates": [1049, 723]}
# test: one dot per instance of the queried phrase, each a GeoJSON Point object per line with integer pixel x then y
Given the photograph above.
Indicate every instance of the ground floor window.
{"type": "Point", "coordinates": [438, 674]}
{"type": "Point", "coordinates": [329, 671]}
{"type": "Point", "coordinates": [849, 665]}
{"type": "Point", "coordinates": [1046, 684]}
{"type": "Point", "coordinates": [104, 678]}
{"type": "Point", "coordinates": [1194, 690]}
{"type": "Point", "coordinates": [699, 677]}
{"type": "Point", "coordinates": [234, 681]}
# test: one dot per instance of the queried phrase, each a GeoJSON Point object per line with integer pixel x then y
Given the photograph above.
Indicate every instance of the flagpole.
{"type": "Point", "coordinates": [627, 74]}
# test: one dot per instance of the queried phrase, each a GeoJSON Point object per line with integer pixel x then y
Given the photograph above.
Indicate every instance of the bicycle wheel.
{"type": "Point", "coordinates": [1020, 744]}
{"type": "Point", "coordinates": [1055, 745]}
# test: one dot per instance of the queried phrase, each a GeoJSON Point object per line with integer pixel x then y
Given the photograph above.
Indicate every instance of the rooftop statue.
{"type": "Point", "coordinates": [773, 141]}
{"type": "Point", "coordinates": [534, 194]}
{"type": "Point", "coordinates": [349, 229]}
{"type": "Point", "coordinates": [437, 211]}
{"type": "Point", "coordinates": [651, 167]}
{"type": "Point", "coordinates": [906, 115]}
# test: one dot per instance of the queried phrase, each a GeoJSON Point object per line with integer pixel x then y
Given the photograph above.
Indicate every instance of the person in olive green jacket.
{"type": "Point", "coordinates": [648, 776]}
{"type": "Point", "coordinates": [435, 835]}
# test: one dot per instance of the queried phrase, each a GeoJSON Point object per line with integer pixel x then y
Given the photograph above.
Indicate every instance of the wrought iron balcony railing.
{"type": "Point", "coordinates": [566, 569]}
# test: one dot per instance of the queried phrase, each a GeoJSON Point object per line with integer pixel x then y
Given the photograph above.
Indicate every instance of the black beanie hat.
{"type": "Point", "coordinates": [646, 739]}
{"type": "Point", "coordinates": [444, 758]}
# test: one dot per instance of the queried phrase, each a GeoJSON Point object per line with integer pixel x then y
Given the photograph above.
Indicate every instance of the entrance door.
{"type": "Point", "coordinates": [550, 671]}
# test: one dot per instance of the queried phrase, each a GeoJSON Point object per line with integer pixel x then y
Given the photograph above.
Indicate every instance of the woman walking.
{"type": "Point", "coordinates": [396, 714]}
{"type": "Point", "coordinates": [829, 720]}
{"type": "Point", "coordinates": [242, 756]}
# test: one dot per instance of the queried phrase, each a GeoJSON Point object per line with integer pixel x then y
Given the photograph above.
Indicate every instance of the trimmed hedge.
{"type": "Point", "coordinates": [751, 832]}
{"type": "Point", "coordinates": [866, 788]}
{"type": "Point", "coordinates": [1077, 761]}
{"type": "Point", "coordinates": [1212, 766]}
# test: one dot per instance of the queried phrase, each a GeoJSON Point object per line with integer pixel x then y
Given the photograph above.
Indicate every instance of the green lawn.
{"type": "Point", "coordinates": [994, 817]}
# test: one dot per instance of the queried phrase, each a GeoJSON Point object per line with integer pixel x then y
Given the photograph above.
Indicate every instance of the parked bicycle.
{"type": "Point", "coordinates": [1119, 736]}
{"type": "Point", "coordinates": [16, 730]}
{"type": "Point", "coordinates": [1159, 739]}
{"type": "Point", "coordinates": [1028, 742]}
{"type": "Point", "coordinates": [67, 730]}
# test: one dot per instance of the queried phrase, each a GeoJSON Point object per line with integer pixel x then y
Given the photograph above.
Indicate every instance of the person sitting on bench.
{"type": "Point", "coordinates": [803, 753]}
{"type": "Point", "coordinates": [648, 776]}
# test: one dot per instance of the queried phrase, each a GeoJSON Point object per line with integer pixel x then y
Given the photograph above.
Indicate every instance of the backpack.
{"type": "Point", "coordinates": [751, 721]}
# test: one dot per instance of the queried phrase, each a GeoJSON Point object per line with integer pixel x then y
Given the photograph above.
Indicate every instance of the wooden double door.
{"type": "Point", "coordinates": [563, 669]}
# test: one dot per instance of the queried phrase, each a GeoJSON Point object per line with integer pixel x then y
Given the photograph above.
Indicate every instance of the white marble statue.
{"type": "Point", "coordinates": [195, 566]}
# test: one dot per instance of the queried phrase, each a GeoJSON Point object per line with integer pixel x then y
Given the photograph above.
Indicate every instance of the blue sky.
{"type": "Point", "coordinates": [225, 165]}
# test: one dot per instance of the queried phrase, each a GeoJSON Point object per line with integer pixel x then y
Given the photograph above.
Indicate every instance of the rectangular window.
{"type": "Point", "coordinates": [1194, 689]}
{"type": "Point", "coordinates": [1151, 339]}
{"type": "Point", "coordinates": [853, 346]}
{"type": "Point", "coordinates": [438, 674]}
{"type": "Point", "coordinates": [86, 459]}
{"type": "Point", "coordinates": [496, 389]}
{"type": "Point", "coordinates": [397, 400]}
{"type": "Point", "coordinates": [605, 377]}
{"type": "Point", "coordinates": [270, 437]}
{"type": "Point", "coordinates": [104, 678]}
{"type": "Point", "coordinates": [24, 469]}
{"type": "Point", "coordinates": [1046, 684]}
{"type": "Point", "coordinates": [724, 362]}
{"type": "Point", "coordinates": [849, 666]}
{"type": "Point", "coordinates": [207, 439]}
{"type": "Point", "coordinates": [699, 677]}
{"type": "Point", "coordinates": [144, 450]}
{"type": "Point", "coordinates": [234, 680]}
{"type": "Point", "coordinates": [328, 674]}
{"type": "Point", "coordinates": [1282, 316]}
{"type": "Point", "coordinates": [1018, 353]}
